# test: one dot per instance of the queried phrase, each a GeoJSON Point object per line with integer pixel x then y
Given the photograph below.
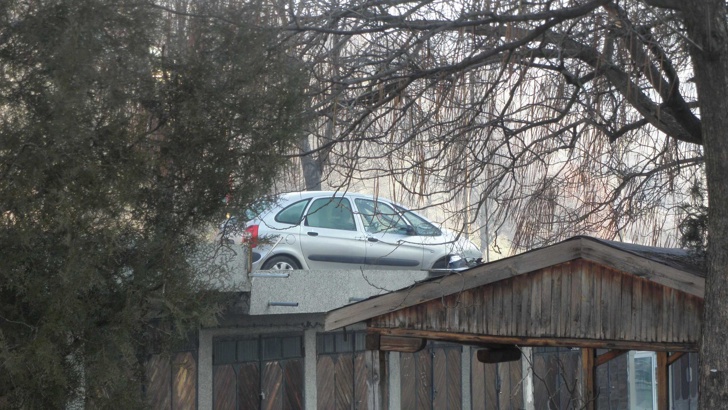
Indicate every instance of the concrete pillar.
{"type": "Point", "coordinates": [527, 367]}
{"type": "Point", "coordinates": [309, 369]}
{"type": "Point", "coordinates": [465, 377]}
{"type": "Point", "coordinates": [204, 371]}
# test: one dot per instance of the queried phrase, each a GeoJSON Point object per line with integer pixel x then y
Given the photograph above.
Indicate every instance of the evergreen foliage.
{"type": "Point", "coordinates": [694, 224]}
{"type": "Point", "coordinates": [122, 128]}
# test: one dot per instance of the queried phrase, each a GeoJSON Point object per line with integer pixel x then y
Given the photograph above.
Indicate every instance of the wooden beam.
{"type": "Point", "coordinates": [469, 338]}
{"type": "Point", "coordinates": [588, 370]}
{"type": "Point", "coordinates": [663, 382]}
{"type": "Point", "coordinates": [652, 270]}
{"type": "Point", "coordinates": [673, 357]}
{"type": "Point", "coordinates": [510, 354]}
{"type": "Point", "coordinates": [371, 341]}
{"type": "Point", "coordinates": [612, 354]}
{"type": "Point", "coordinates": [387, 343]}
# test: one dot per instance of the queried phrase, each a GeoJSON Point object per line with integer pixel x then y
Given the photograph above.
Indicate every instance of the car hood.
{"type": "Point", "coordinates": [460, 245]}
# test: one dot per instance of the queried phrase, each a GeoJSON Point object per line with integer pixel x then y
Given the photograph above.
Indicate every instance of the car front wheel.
{"type": "Point", "coordinates": [441, 263]}
{"type": "Point", "coordinates": [280, 263]}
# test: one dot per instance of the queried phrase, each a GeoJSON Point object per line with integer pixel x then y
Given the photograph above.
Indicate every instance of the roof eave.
{"type": "Point", "coordinates": [581, 247]}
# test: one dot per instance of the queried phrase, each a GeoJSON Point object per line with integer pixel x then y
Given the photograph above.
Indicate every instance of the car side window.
{"type": "Point", "coordinates": [331, 213]}
{"type": "Point", "coordinates": [379, 217]}
{"type": "Point", "coordinates": [292, 214]}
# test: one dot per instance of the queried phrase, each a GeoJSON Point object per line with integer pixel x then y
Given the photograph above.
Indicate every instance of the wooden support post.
{"type": "Point", "coordinates": [382, 386]}
{"type": "Point", "coordinates": [663, 382]}
{"type": "Point", "coordinates": [588, 370]}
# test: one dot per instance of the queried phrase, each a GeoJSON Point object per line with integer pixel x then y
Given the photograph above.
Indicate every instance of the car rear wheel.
{"type": "Point", "coordinates": [280, 263]}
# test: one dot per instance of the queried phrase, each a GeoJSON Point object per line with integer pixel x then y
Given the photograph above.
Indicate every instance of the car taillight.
{"type": "Point", "coordinates": [251, 236]}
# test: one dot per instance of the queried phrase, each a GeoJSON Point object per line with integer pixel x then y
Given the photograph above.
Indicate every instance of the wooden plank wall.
{"type": "Point", "coordinates": [172, 382]}
{"type": "Point", "coordinates": [159, 376]}
{"type": "Point", "coordinates": [224, 388]}
{"type": "Point", "coordinates": [577, 299]}
{"type": "Point", "coordinates": [497, 386]}
{"type": "Point", "coordinates": [431, 378]}
{"type": "Point", "coordinates": [345, 380]}
{"type": "Point", "coordinates": [416, 380]}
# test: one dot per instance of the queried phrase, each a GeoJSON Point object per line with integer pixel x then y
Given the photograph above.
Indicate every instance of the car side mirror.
{"type": "Point", "coordinates": [410, 231]}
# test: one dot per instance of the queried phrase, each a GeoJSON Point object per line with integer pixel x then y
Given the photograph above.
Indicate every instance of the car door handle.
{"type": "Point", "coordinates": [312, 233]}
{"type": "Point", "coordinates": [372, 239]}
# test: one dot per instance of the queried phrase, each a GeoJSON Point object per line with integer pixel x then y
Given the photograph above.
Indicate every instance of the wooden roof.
{"type": "Point", "coordinates": [580, 292]}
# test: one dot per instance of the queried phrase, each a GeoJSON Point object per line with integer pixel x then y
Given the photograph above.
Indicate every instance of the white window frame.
{"type": "Point", "coordinates": [631, 374]}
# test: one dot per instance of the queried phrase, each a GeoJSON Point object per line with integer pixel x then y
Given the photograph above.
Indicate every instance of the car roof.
{"type": "Point", "coordinates": [312, 194]}
{"type": "Point", "coordinates": [295, 196]}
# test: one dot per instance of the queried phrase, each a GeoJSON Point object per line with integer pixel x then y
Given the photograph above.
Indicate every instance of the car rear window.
{"type": "Point", "coordinates": [258, 208]}
{"type": "Point", "coordinates": [292, 214]}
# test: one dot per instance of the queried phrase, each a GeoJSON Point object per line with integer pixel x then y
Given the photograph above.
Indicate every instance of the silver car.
{"type": "Point", "coordinates": [330, 230]}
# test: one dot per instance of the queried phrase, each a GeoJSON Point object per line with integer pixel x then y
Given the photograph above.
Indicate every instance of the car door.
{"type": "Point", "coordinates": [390, 241]}
{"type": "Point", "coordinates": [330, 238]}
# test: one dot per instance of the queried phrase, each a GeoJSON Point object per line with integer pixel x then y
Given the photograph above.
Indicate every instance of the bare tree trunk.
{"type": "Point", "coordinates": [314, 159]}
{"type": "Point", "coordinates": [312, 167]}
{"type": "Point", "coordinates": [706, 22]}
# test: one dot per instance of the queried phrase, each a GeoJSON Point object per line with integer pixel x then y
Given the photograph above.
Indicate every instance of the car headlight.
{"type": "Point", "coordinates": [457, 262]}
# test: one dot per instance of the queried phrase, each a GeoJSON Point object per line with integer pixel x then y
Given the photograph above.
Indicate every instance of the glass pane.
{"type": "Point", "coordinates": [643, 380]}
{"type": "Point", "coordinates": [271, 348]}
{"type": "Point", "coordinates": [422, 227]}
{"type": "Point", "coordinates": [344, 342]}
{"type": "Point", "coordinates": [328, 343]}
{"type": "Point", "coordinates": [379, 217]}
{"type": "Point", "coordinates": [366, 213]}
{"type": "Point", "coordinates": [360, 341]}
{"type": "Point", "coordinates": [319, 343]}
{"type": "Point", "coordinates": [331, 213]}
{"type": "Point", "coordinates": [247, 350]}
{"type": "Point", "coordinates": [292, 347]}
{"type": "Point", "coordinates": [292, 214]}
{"type": "Point", "coordinates": [223, 352]}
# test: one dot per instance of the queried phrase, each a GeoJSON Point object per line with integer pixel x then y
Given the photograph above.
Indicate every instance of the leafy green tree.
{"type": "Point", "coordinates": [122, 128]}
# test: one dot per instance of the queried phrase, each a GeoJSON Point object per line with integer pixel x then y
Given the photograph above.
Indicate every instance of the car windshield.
{"type": "Point", "coordinates": [421, 225]}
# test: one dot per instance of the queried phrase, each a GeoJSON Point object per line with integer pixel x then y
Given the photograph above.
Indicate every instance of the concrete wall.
{"type": "Point", "coordinates": [322, 290]}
